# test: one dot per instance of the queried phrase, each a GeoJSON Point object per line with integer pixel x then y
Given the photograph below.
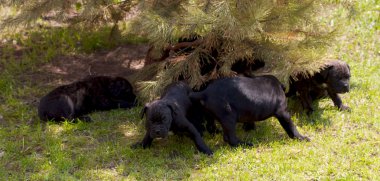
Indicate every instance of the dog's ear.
{"type": "Point", "coordinates": [325, 72]}
{"type": "Point", "coordinates": [143, 110]}
{"type": "Point", "coordinates": [173, 109]}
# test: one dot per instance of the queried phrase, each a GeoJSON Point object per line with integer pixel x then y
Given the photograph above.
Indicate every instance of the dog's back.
{"type": "Point", "coordinates": [178, 92]}
{"type": "Point", "coordinates": [258, 97]}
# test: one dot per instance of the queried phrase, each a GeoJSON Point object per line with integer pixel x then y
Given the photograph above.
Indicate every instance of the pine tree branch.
{"type": "Point", "coordinates": [166, 51]}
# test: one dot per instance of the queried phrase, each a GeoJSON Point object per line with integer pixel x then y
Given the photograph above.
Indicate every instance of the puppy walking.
{"type": "Point", "coordinates": [243, 99]}
{"type": "Point", "coordinates": [329, 82]}
{"type": "Point", "coordinates": [169, 113]}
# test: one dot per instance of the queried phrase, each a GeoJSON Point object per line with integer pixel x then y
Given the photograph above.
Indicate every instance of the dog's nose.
{"type": "Point", "coordinates": [157, 132]}
{"type": "Point", "coordinates": [346, 88]}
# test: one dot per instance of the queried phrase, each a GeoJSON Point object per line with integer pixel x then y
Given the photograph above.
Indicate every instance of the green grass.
{"type": "Point", "coordinates": [344, 145]}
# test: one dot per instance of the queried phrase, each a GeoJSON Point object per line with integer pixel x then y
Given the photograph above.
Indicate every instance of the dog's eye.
{"type": "Point", "coordinates": [156, 119]}
{"type": "Point", "coordinates": [343, 77]}
{"type": "Point", "coordinates": [166, 120]}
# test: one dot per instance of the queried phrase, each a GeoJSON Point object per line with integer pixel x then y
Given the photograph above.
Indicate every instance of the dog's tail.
{"type": "Point", "coordinates": [292, 88]}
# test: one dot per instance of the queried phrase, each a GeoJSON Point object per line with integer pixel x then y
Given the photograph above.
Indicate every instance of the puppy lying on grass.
{"type": "Point", "coordinates": [169, 114]}
{"type": "Point", "coordinates": [82, 97]}
{"type": "Point", "coordinates": [332, 79]}
{"type": "Point", "coordinates": [243, 99]}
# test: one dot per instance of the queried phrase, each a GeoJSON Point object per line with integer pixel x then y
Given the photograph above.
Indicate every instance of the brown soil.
{"type": "Point", "coordinates": [121, 61]}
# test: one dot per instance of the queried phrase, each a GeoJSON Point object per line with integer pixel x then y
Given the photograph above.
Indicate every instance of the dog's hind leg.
{"type": "Point", "coordinates": [211, 126]}
{"type": "Point", "coordinates": [284, 118]}
{"type": "Point", "coordinates": [228, 123]}
{"type": "Point", "coordinates": [307, 102]}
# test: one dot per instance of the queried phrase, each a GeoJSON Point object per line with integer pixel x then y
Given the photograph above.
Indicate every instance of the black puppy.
{"type": "Point", "coordinates": [85, 96]}
{"type": "Point", "coordinates": [246, 99]}
{"type": "Point", "coordinates": [169, 113]}
{"type": "Point", "coordinates": [332, 79]}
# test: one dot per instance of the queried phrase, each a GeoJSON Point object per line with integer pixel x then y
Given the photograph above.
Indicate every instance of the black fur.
{"type": "Point", "coordinates": [332, 79]}
{"type": "Point", "coordinates": [169, 113]}
{"type": "Point", "coordinates": [82, 97]}
{"type": "Point", "coordinates": [244, 67]}
{"type": "Point", "coordinates": [243, 99]}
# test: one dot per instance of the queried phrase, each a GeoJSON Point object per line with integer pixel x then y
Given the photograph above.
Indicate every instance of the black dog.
{"type": "Point", "coordinates": [332, 79]}
{"type": "Point", "coordinates": [85, 96]}
{"type": "Point", "coordinates": [246, 99]}
{"type": "Point", "coordinates": [169, 113]}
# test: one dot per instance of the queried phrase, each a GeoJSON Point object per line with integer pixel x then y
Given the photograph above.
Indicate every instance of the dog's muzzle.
{"type": "Point", "coordinates": [341, 89]}
{"type": "Point", "coordinates": [159, 132]}
{"type": "Point", "coordinates": [345, 89]}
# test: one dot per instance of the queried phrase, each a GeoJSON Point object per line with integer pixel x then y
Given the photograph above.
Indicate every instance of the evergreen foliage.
{"type": "Point", "coordinates": [72, 12]}
{"type": "Point", "coordinates": [290, 36]}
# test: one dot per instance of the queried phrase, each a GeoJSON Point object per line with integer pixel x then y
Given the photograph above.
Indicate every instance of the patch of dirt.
{"type": "Point", "coordinates": [121, 61]}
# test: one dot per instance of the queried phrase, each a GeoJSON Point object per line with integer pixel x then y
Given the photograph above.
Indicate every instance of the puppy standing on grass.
{"type": "Point", "coordinates": [169, 113]}
{"type": "Point", "coordinates": [243, 99]}
{"type": "Point", "coordinates": [332, 79]}
{"type": "Point", "coordinates": [82, 97]}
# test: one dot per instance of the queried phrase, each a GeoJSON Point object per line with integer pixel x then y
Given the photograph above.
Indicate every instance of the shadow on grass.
{"type": "Point", "coordinates": [102, 149]}
{"type": "Point", "coordinates": [315, 119]}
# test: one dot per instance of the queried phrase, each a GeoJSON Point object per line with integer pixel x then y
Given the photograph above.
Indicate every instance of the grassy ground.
{"type": "Point", "coordinates": [344, 145]}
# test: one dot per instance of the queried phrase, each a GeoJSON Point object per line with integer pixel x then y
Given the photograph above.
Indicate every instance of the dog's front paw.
{"type": "Point", "coordinates": [207, 151]}
{"type": "Point", "coordinates": [303, 138]}
{"type": "Point", "coordinates": [85, 118]}
{"type": "Point", "coordinates": [137, 145]}
{"type": "Point", "coordinates": [245, 143]}
{"type": "Point", "coordinates": [344, 108]}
